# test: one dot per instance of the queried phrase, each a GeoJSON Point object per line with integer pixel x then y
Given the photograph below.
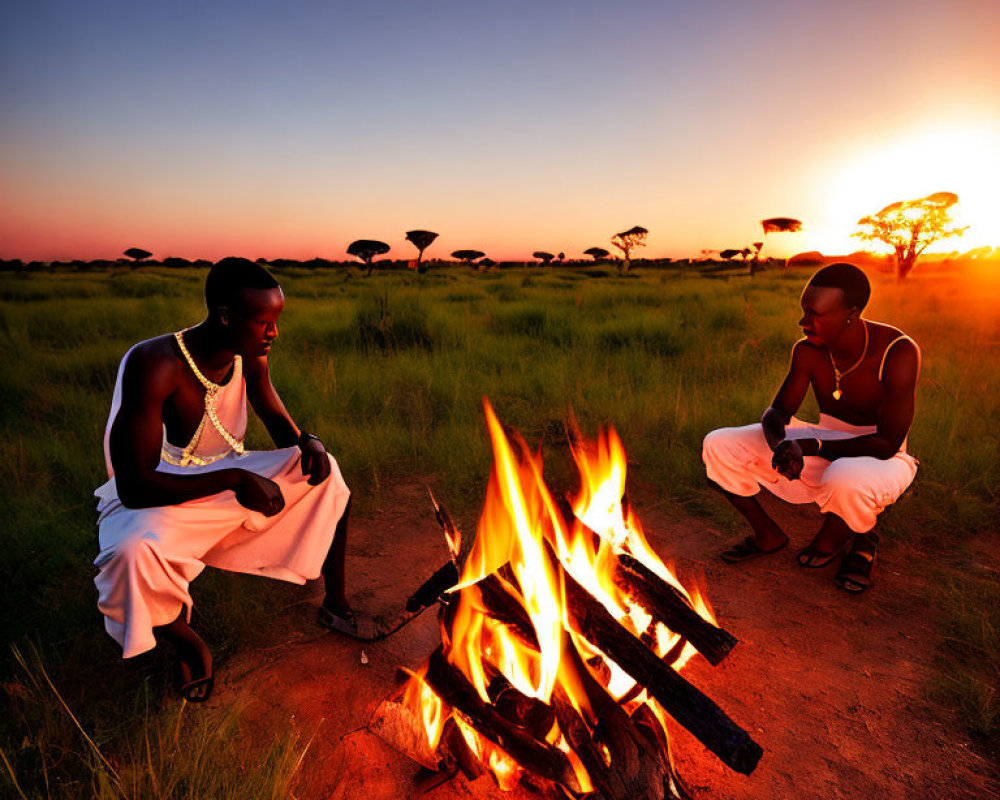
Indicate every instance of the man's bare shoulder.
{"type": "Point", "coordinates": [154, 362]}
{"type": "Point", "coordinates": [805, 354]}
{"type": "Point", "coordinates": [884, 332]}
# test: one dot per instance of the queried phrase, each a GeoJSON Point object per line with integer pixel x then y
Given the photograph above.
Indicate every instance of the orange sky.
{"type": "Point", "coordinates": [251, 130]}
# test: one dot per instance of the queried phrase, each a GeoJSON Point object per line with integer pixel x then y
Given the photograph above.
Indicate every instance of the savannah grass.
{"type": "Point", "coordinates": [390, 372]}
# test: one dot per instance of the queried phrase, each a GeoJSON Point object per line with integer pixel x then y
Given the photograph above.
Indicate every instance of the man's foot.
{"type": "Point", "coordinates": [748, 550]}
{"type": "Point", "coordinates": [194, 677]}
{"type": "Point", "coordinates": [340, 619]}
{"type": "Point", "coordinates": [812, 557]}
{"type": "Point", "coordinates": [855, 573]}
{"type": "Point", "coordinates": [193, 674]}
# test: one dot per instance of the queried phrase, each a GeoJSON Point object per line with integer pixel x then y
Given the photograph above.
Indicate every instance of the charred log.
{"type": "Point", "coordinates": [696, 712]}
{"type": "Point", "coordinates": [435, 586]}
{"type": "Point", "coordinates": [538, 757]}
{"type": "Point", "coordinates": [669, 605]}
{"type": "Point", "coordinates": [531, 713]}
{"type": "Point", "coordinates": [454, 746]}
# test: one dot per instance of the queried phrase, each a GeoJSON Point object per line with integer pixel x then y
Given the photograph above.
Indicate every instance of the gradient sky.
{"type": "Point", "coordinates": [288, 129]}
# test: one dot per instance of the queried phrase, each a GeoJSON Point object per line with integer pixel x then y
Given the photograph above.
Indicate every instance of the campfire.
{"type": "Point", "coordinates": [562, 639]}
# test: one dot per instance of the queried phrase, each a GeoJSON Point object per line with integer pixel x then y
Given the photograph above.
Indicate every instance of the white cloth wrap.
{"type": "Point", "coordinates": [857, 489]}
{"type": "Point", "coordinates": [149, 556]}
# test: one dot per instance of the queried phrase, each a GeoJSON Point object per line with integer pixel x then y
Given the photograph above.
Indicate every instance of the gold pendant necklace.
{"type": "Point", "coordinates": [838, 375]}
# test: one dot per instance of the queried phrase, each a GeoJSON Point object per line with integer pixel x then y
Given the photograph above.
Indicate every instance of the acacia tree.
{"type": "Point", "coordinates": [627, 241]}
{"type": "Point", "coordinates": [137, 254]}
{"type": "Point", "coordinates": [780, 225]}
{"type": "Point", "coordinates": [910, 226]}
{"type": "Point", "coordinates": [421, 240]}
{"type": "Point", "coordinates": [468, 256]}
{"type": "Point", "coordinates": [366, 250]}
{"type": "Point", "coordinates": [730, 254]}
{"type": "Point", "coordinates": [596, 253]}
{"type": "Point", "coordinates": [542, 256]}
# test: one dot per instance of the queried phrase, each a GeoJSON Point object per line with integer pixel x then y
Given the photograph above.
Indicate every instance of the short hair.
{"type": "Point", "coordinates": [849, 279]}
{"type": "Point", "coordinates": [230, 276]}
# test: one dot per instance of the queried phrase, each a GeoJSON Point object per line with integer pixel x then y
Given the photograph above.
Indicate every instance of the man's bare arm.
{"type": "Point", "coordinates": [789, 397]}
{"type": "Point", "coordinates": [137, 437]}
{"type": "Point", "coordinates": [267, 404]}
{"type": "Point", "coordinates": [283, 431]}
{"type": "Point", "coordinates": [895, 414]}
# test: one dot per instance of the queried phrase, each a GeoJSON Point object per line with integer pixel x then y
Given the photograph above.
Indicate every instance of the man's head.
{"type": "Point", "coordinates": [833, 301]}
{"type": "Point", "coordinates": [245, 300]}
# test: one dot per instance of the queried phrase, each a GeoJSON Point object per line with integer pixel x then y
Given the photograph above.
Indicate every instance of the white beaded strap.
{"type": "Point", "coordinates": [211, 390]}
{"type": "Point", "coordinates": [888, 347]}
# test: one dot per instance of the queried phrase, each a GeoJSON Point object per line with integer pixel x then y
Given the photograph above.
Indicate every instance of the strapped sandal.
{"type": "Point", "coordinates": [810, 558]}
{"type": "Point", "coordinates": [855, 573]}
{"type": "Point", "coordinates": [345, 623]}
{"type": "Point", "coordinates": [747, 550]}
{"type": "Point", "coordinates": [194, 690]}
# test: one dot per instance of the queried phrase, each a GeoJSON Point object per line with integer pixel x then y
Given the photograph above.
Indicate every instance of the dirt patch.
{"type": "Point", "coordinates": [834, 687]}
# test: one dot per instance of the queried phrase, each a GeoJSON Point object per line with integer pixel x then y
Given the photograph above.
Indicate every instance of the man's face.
{"type": "Point", "coordinates": [824, 315]}
{"type": "Point", "coordinates": [253, 321]}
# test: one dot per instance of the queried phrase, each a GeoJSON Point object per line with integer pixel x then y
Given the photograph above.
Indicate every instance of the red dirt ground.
{"type": "Point", "coordinates": [834, 687]}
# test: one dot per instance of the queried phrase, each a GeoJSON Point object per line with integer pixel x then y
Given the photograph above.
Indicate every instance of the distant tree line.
{"type": "Point", "coordinates": [907, 226]}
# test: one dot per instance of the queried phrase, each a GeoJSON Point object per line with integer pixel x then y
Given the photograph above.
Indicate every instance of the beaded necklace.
{"type": "Point", "coordinates": [211, 392]}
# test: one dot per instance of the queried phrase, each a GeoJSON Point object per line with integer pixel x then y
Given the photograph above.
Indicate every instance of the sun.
{"type": "Point", "coordinates": [964, 159]}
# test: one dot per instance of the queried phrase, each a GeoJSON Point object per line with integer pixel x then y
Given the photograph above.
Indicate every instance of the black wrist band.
{"type": "Point", "coordinates": [304, 436]}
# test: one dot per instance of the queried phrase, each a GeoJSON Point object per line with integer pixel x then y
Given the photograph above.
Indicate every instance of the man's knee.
{"type": "Point", "coordinates": [715, 444]}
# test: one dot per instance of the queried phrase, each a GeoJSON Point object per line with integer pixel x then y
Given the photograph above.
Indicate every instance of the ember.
{"type": "Point", "coordinates": [562, 637]}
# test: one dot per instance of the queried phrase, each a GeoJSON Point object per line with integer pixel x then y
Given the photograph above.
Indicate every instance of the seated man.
{"type": "Point", "coordinates": [853, 462]}
{"type": "Point", "coordinates": [184, 494]}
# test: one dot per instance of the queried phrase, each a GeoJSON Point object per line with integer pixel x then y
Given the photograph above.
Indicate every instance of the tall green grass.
{"type": "Point", "coordinates": [391, 372]}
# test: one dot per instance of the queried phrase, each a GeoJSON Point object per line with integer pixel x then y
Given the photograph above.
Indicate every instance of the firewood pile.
{"type": "Point", "coordinates": [563, 636]}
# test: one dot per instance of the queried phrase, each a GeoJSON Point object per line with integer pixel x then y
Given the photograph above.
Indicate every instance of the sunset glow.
{"type": "Point", "coordinates": [264, 130]}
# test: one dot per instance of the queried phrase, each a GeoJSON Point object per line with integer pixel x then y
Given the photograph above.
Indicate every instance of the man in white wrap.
{"type": "Point", "coordinates": [182, 491]}
{"type": "Point", "coordinates": [853, 462]}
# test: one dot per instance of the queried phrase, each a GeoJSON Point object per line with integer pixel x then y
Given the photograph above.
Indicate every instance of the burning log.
{"type": "Point", "coordinates": [528, 712]}
{"type": "Point", "coordinates": [505, 608]}
{"type": "Point", "coordinates": [455, 746]}
{"type": "Point", "coordinates": [672, 608]}
{"type": "Point", "coordinates": [542, 759]}
{"type": "Point", "coordinates": [435, 586]}
{"type": "Point", "coordinates": [664, 602]}
{"type": "Point", "coordinates": [695, 711]}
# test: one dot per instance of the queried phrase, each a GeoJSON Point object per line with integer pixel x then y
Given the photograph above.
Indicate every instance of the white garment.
{"type": "Point", "coordinates": [857, 489]}
{"type": "Point", "coordinates": [150, 555]}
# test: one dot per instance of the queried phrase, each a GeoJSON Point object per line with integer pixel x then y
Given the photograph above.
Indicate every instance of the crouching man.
{"type": "Point", "coordinates": [853, 462]}
{"type": "Point", "coordinates": [182, 491]}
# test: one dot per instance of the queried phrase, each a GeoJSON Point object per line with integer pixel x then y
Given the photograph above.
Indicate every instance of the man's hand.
{"type": "Point", "coordinates": [259, 493]}
{"type": "Point", "coordinates": [315, 461]}
{"type": "Point", "coordinates": [788, 459]}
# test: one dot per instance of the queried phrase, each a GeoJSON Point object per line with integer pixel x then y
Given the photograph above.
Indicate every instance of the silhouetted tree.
{"type": "Point", "coordinates": [755, 264]}
{"type": "Point", "coordinates": [596, 253]}
{"type": "Point", "coordinates": [468, 256]}
{"type": "Point", "coordinates": [137, 254]}
{"type": "Point", "coordinates": [485, 264]}
{"type": "Point", "coordinates": [627, 241]}
{"type": "Point", "coordinates": [729, 254]}
{"type": "Point", "coordinates": [561, 256]}
{"type": "Point", "coordinates": [780, 225]}
{"type": "Point", "coordinates": [366, 250]}
{"type": "Point", "coordinates": [542, 256]}
{"type": "Point", "coordinates": [421, 240]}
{"type": "Point", "coordinates": [910, 226]}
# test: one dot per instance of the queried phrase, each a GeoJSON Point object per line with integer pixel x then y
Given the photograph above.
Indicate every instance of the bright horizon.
{"type": "Point", "coordinates": [251, 129]}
